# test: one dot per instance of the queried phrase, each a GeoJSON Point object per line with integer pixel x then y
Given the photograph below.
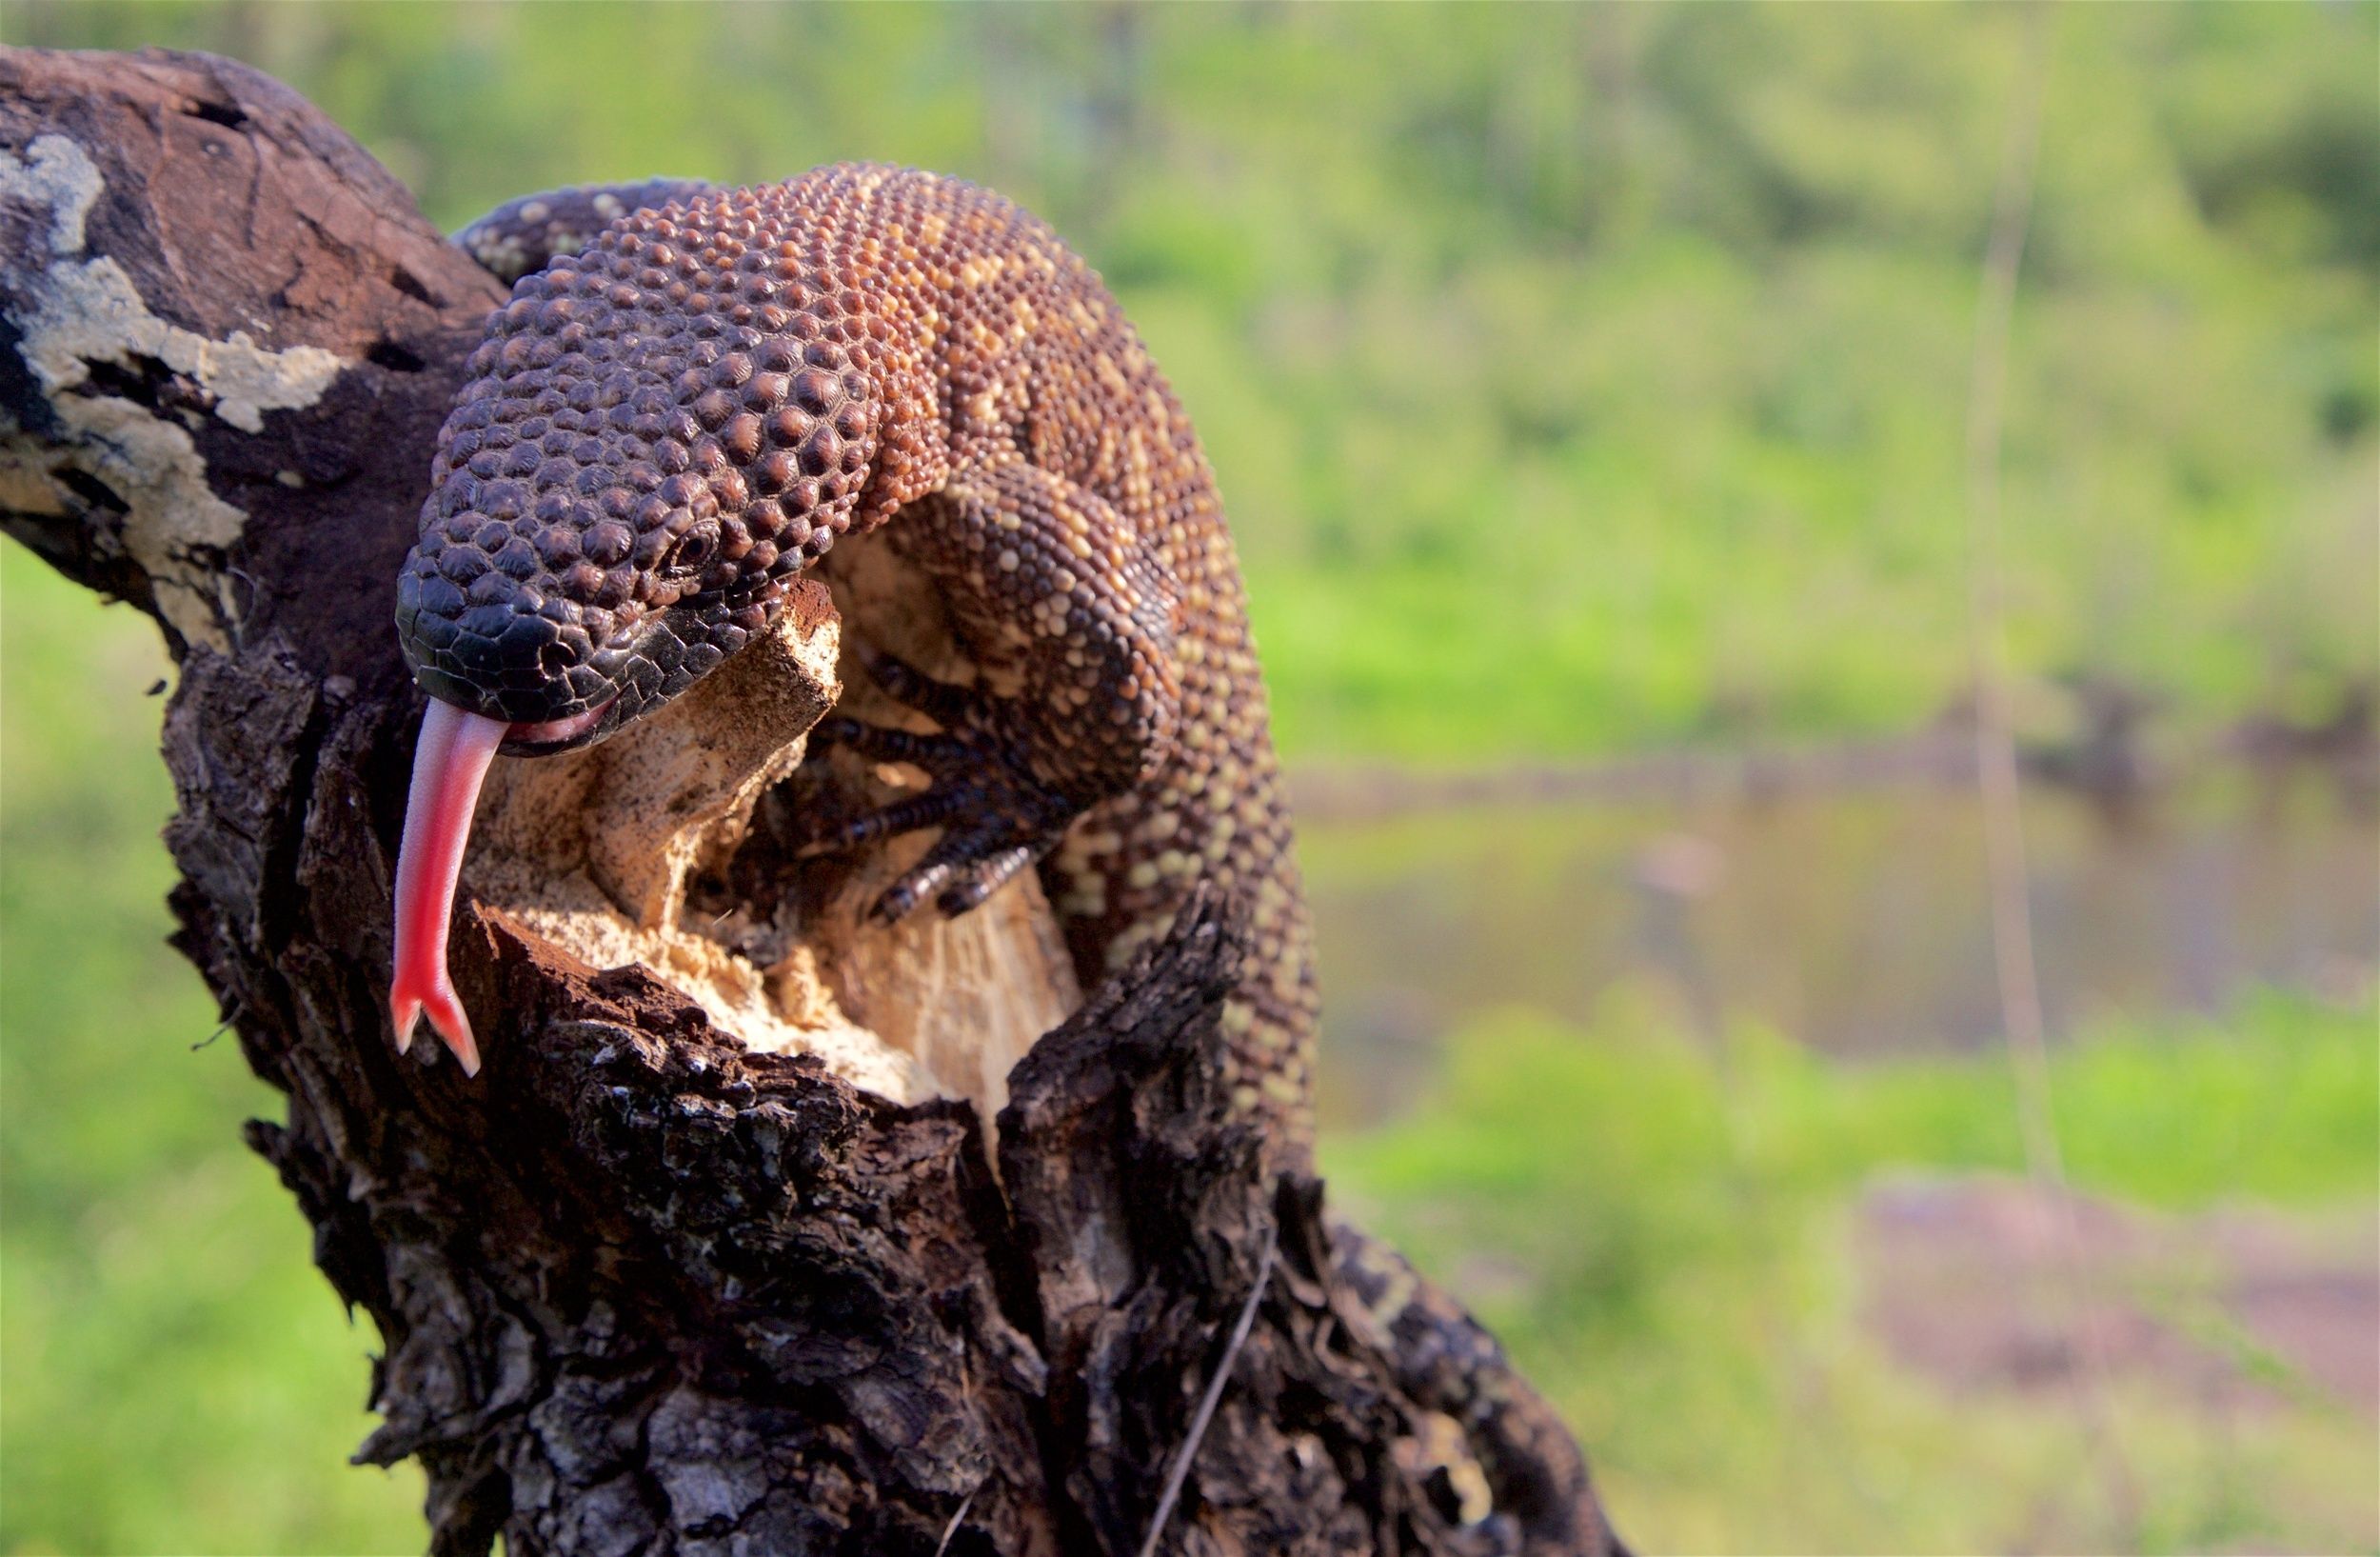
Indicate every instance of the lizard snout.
{"type": "Point", "coordinates": [503, 648]}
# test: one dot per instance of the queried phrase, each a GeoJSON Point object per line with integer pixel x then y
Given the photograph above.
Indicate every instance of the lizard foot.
{"type": "Point", "coordinates": [997, 817]}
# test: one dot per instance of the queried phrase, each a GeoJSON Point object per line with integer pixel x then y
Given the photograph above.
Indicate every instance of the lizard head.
{"type": "Point", "coordinates": [657, 436]}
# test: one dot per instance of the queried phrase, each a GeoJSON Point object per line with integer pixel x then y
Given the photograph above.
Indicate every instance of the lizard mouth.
{"type": "Point", "coordinates": [536, 740]}
{"type": "Point", "coordinates": [449, 764]}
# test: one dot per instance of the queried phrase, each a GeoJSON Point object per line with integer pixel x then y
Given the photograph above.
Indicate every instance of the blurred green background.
{"type": "Point", "coordinates": [1584, 384]}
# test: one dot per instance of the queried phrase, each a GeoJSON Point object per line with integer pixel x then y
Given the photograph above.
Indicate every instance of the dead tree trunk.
{"type": "Point", "coordinates": [644, 1287]}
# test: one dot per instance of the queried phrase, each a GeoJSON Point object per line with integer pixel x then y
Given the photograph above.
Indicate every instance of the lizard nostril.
{"type": "Point", "coordinates": [555, 658]}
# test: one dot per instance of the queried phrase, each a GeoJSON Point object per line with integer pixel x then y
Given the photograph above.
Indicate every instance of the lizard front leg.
{"type": "Point", "coordinates": [1044, 580]}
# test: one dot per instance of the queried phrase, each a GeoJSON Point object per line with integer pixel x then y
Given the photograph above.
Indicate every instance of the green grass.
{"type": "Point", "coordinates": [1663, 1244]}
{"type": "Point", "coordinates": [174, 1374]}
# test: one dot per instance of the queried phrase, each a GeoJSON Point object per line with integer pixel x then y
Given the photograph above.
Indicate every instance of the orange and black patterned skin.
{"type": "Point", "coordinates": [690, 404]}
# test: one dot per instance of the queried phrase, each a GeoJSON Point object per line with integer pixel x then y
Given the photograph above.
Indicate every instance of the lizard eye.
{"type": "Point", "coordinates": [694, 548]}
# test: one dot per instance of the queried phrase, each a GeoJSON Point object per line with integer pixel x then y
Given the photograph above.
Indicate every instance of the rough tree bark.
{"type": "Point", "coordinates": [644, 1287]}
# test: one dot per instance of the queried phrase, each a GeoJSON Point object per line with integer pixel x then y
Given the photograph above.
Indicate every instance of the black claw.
{"type": "Point", "coordinates": [891, 821]}
{"type": "Point", "coordinates": [988, 876]}
{"type": "Point", "coordinates": [937, 754]}
{"type": "Point", "coordinates": [997, 817]}
{"type": "Point", "coordinates": [946, 704]}
{"type": "Point", "coordinates": [902, 899]}
{"type": "Point", "coordinates": [834, 731]}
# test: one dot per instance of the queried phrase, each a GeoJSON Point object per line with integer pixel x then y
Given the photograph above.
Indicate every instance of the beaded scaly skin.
{"type": "Point", "coordinates": [692, 400]}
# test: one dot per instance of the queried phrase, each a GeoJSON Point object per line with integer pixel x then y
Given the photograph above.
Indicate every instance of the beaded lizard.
{"type": "Point", "coordinates": [696, 395]}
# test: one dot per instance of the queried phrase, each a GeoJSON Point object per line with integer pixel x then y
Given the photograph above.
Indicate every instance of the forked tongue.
{"type": "Point", "coordinates": [449, 765]}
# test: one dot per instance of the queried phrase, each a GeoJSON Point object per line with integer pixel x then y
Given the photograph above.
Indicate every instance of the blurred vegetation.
{"type": "Point", "coordinates": [1579, 380]}
{"type": "Point", "coordinates": [1584, 377]}
{"type": "Point", "coordinates": [1662, 1237]}
{"type": "Point", "coordinates": [174, 1374]}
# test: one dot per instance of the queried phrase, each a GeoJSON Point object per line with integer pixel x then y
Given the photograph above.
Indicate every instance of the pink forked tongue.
{"type": "Point", "coordinates": [453, 758]}
{"type": "Point", "coordinates": [449, 765]}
